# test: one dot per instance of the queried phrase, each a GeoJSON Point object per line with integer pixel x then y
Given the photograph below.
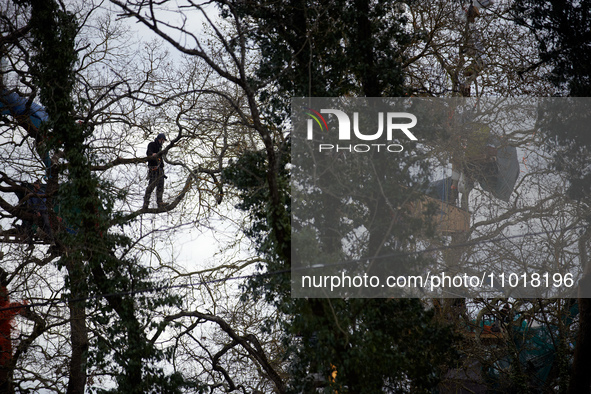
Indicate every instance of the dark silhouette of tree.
{"type": "Point", "coordinates": [563, 31]}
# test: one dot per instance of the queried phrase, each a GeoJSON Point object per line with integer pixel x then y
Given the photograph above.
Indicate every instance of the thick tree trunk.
{"type": "Point", "coordinates": [580, 381]}
{"type": "Point", "coordinates": [79, 334]}
{"type": "Point", "coordinates": [581, 376]}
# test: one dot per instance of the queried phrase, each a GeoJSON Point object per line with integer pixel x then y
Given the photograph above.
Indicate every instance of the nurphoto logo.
{"type": "Point", "coordinates": [393, 123]}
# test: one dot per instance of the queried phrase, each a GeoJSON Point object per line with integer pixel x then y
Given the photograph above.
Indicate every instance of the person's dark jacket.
{"type": "Point", "coordinates": [37, 204]}
{"type": "Point", "coordinates": [154, 147]}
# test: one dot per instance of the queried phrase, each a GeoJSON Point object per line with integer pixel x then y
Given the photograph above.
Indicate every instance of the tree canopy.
{"type": "Point", "coordinates": [95, 296]}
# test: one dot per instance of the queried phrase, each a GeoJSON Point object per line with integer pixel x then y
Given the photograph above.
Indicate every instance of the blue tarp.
{"type": "Point", "coordinates": [16, 105]}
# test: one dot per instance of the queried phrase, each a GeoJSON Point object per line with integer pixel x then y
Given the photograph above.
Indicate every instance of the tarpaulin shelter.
{"type": "Point", "coordinates": [500, 176]}
{"type": "Point", "coordinates": [489, 160]}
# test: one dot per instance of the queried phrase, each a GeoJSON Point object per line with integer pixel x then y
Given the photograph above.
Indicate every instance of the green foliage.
{"type": "Point", "coordinates": [374, 344]}
{"type": "Point", "coordinates": [249, 176]}
{"type": "Point", "coordinates": [327, 49]}
{"type": "Point", "coordinates": [333, 49]}
{"type": "Point", "coordinates": [563, 30]}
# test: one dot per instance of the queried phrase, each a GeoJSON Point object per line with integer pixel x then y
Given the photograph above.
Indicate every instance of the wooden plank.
{"type": "Point", "coordinates": [449, 218]}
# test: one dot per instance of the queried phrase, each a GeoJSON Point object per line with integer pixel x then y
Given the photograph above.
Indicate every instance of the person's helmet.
{"type": "Point", "coordinates": [161, 136]}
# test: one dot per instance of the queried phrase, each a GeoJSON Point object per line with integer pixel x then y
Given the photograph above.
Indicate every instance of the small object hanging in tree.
{"type": "Point", "coordinates": [472, 13]}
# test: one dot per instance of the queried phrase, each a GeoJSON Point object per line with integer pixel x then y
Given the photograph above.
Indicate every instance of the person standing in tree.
{"type": "Point", "coordinates": [37, 203]}
{"type": "Point", "coordinates": [155, 171]}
